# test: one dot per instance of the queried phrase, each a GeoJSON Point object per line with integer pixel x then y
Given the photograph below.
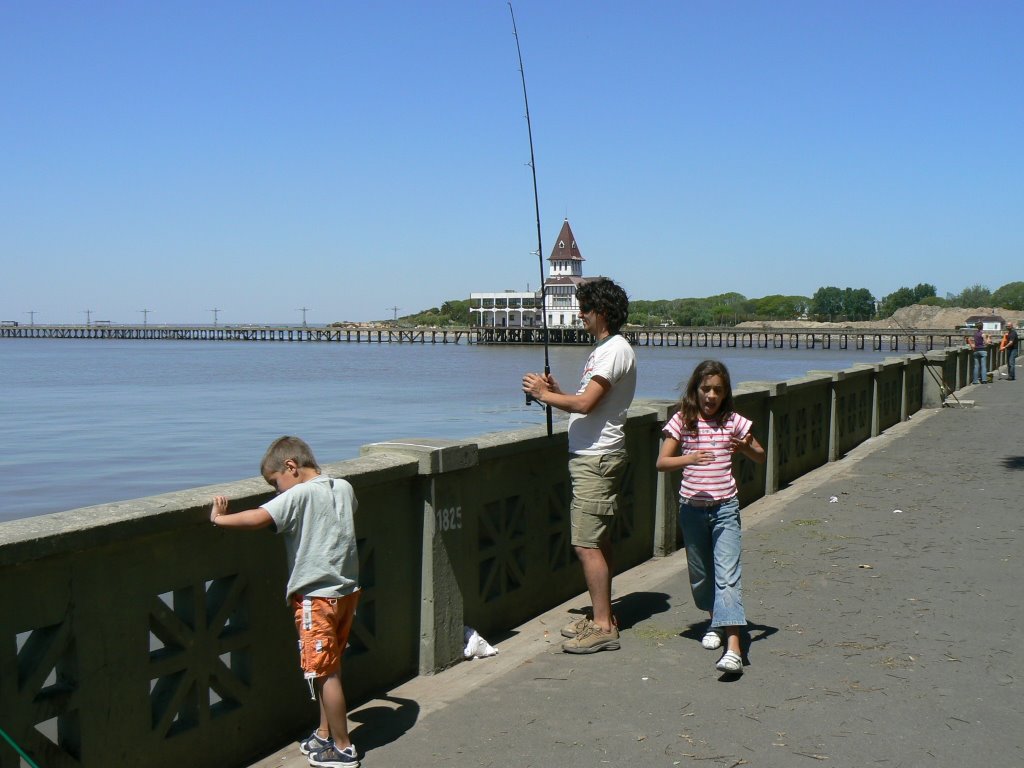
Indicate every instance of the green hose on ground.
{"type": "Point", "coordinates": [18, 749]}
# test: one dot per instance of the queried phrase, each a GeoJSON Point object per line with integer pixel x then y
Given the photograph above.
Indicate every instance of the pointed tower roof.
{"type": "Point", "coordinates": [565, 246]}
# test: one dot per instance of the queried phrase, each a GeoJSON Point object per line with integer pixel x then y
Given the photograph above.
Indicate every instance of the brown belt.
{"type": "Point", "coordinates": [703, 502]}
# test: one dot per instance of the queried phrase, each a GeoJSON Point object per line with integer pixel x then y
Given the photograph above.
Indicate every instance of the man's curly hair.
{"type": "Point", "coordinates": [607, 299]}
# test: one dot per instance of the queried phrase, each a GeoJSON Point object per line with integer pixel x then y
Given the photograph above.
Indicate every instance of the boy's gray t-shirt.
{"type": "Point", "coordinates": [315, 518]}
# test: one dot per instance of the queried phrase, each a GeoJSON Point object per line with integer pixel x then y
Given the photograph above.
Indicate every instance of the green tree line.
{"type": "Point", "coordinates": [1010, 296]}
{"type": "Point", "coordinates": [829, 303]}
{"type": "Point", "coordinates": [452, 312]}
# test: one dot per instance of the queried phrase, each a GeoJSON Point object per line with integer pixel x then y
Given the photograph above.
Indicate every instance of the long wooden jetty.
{"type": "Point", "coordinates": [751, 338]}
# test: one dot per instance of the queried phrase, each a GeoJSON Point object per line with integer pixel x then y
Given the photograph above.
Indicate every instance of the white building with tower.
{"type": "Point", "coordinates": [512, 309]}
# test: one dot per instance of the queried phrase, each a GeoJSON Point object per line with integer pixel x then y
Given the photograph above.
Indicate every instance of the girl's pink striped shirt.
{"type": "Point", "coordinates": [712, 480]}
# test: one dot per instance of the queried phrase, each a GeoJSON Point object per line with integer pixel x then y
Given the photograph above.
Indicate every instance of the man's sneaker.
{"type": "Point", "coordinates": [593, 639]}
{"type": "Point", "coordinates": [575, 626]}
{"type": "Point", "coordinates": [313, 743]}
{"type": "Point", "coordinates": [332, 757]}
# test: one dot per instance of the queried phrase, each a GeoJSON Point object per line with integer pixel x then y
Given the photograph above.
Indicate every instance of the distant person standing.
{"type": "Point", "coordinates": [1009, 345]}
{"type": "Point", "coordinates": [597, 452]}
{"type": "Point", "coordinates": [978, 343]}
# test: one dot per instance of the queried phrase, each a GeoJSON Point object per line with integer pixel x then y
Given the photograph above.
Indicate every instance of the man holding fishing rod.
{"type": "Point", "coordinates": [597, 452]}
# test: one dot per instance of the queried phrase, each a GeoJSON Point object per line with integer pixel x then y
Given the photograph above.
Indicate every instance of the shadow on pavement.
{"type": "Point", "coordinates": [1014, 462]}
{"type": "Point", "coordinates": [637, 606]}
{"type": "Point", "coordinates": [757, 632]}
{"type": "Point", "coordinates": [751, 634]}
{"type": "Point", "coordinates": [382, 725]}
{"type": "Point", "coordinates": [632, 608]}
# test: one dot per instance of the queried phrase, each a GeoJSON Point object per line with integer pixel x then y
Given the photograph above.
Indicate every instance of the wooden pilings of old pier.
{"type": "Point", "coordinates": [775, 338]}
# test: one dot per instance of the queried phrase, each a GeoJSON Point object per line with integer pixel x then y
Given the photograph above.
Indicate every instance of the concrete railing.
{"type": "Point", "coordinates": [136, 633]}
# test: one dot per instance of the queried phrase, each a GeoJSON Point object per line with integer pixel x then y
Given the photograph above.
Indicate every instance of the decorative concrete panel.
{"type": "Point", "coordinates": [889, 384]}
{"type": "Point", "coordinates": [854, 394]}
{"type": "Point", "coordinates": [753, 403]}
{"type": "Point", "coordinates": [915, 384]}
{"type": "Point", "coordinates": [149, 647]}
{"type": "Point", "coordinates": [515, 533]}
{"type": "Point", "coordinates": [802, 419]}
{"type": "Point", "coordinates": [383, 644]}
{"type": "Point", "coordinates": [40, 679]}
{"type": "Point", "coordinates": [510, 549]}
{"type": "Point", "coordinates": [633, 528]}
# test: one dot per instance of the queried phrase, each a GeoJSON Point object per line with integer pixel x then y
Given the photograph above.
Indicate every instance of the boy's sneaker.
{"type": "Point", "coordinates": [593, 639]}
{"type": "Point", "coordinates": [332, 757]}
{"type": "Point", "coordinates": [313, 743]}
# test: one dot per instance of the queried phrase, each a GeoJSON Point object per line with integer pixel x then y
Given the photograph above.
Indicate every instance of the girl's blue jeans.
{"type": "Point", "coordinates": [712, 538]}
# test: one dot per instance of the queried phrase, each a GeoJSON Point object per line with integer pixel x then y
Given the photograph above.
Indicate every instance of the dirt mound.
{"type": "Point", "coordinates": [916, 316]}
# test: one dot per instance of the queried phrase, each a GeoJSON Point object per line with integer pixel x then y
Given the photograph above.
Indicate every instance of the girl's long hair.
{"type": "Point", "coordinates": [688, 404]}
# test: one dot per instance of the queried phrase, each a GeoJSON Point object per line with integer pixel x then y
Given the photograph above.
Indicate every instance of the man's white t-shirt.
{"type": "Point", "coordinates": [602, 430]}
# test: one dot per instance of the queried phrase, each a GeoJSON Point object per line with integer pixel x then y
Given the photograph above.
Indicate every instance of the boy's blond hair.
{"type": "Point", "coordinates": [284, 448]}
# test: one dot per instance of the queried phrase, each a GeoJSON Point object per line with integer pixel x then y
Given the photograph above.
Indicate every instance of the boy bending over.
{"type": "Point", "coordinates": [314, 513]}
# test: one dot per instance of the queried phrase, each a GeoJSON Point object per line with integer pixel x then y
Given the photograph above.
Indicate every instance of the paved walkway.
{"type": "Point", "coordinates": [884, 631]}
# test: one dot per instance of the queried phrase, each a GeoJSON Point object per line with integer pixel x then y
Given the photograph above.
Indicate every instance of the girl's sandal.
{"type": "Point", "coordinates": [712, 640]}
{"type": "Point", "coordinates": [731, 663]}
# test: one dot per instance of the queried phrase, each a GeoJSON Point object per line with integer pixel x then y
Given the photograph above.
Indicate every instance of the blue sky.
{"type": "Point", "coordinates": [349, 157]}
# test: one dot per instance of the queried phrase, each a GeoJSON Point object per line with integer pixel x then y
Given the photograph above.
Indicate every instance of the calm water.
{"type": "Point", "coordinates": [89, 421]}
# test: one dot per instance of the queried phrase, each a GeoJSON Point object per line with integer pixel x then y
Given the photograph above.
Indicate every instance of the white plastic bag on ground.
{"type": "Point", "coordinates": [476, 647]}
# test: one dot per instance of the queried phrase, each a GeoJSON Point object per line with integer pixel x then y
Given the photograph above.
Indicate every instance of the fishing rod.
{"type": "Point", "coordinates": [536, 207]}
{"type": "Point", "coordinates": [943, 386]}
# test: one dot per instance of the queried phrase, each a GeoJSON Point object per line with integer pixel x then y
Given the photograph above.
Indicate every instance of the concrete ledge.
{"type": "Point", "coordinates": [803, 382]}
{"type": "Point", "coordinates": [62, 533]}
{"type": "Point", "coordinates": [662, 409]}
{"type": "Point", "coordinates": [434, 456]}
{"type": "Point", "coordinates": [498, 445]}
{"type": "Point", "coordinates": [847, 373]}
{"type": "Point", "coordinates": [752, 388]}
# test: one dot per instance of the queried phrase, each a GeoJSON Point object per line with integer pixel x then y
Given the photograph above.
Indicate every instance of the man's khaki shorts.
{"type": "Point", "coordinates": [596, 481]}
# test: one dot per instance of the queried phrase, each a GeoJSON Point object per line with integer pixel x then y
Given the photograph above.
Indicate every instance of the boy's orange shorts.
{"type": "Point", "coordinates": [323, 624]}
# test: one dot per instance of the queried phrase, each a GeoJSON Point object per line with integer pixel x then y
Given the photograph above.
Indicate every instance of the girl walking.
{"type": "Point", "coordinates": [701, 439]}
